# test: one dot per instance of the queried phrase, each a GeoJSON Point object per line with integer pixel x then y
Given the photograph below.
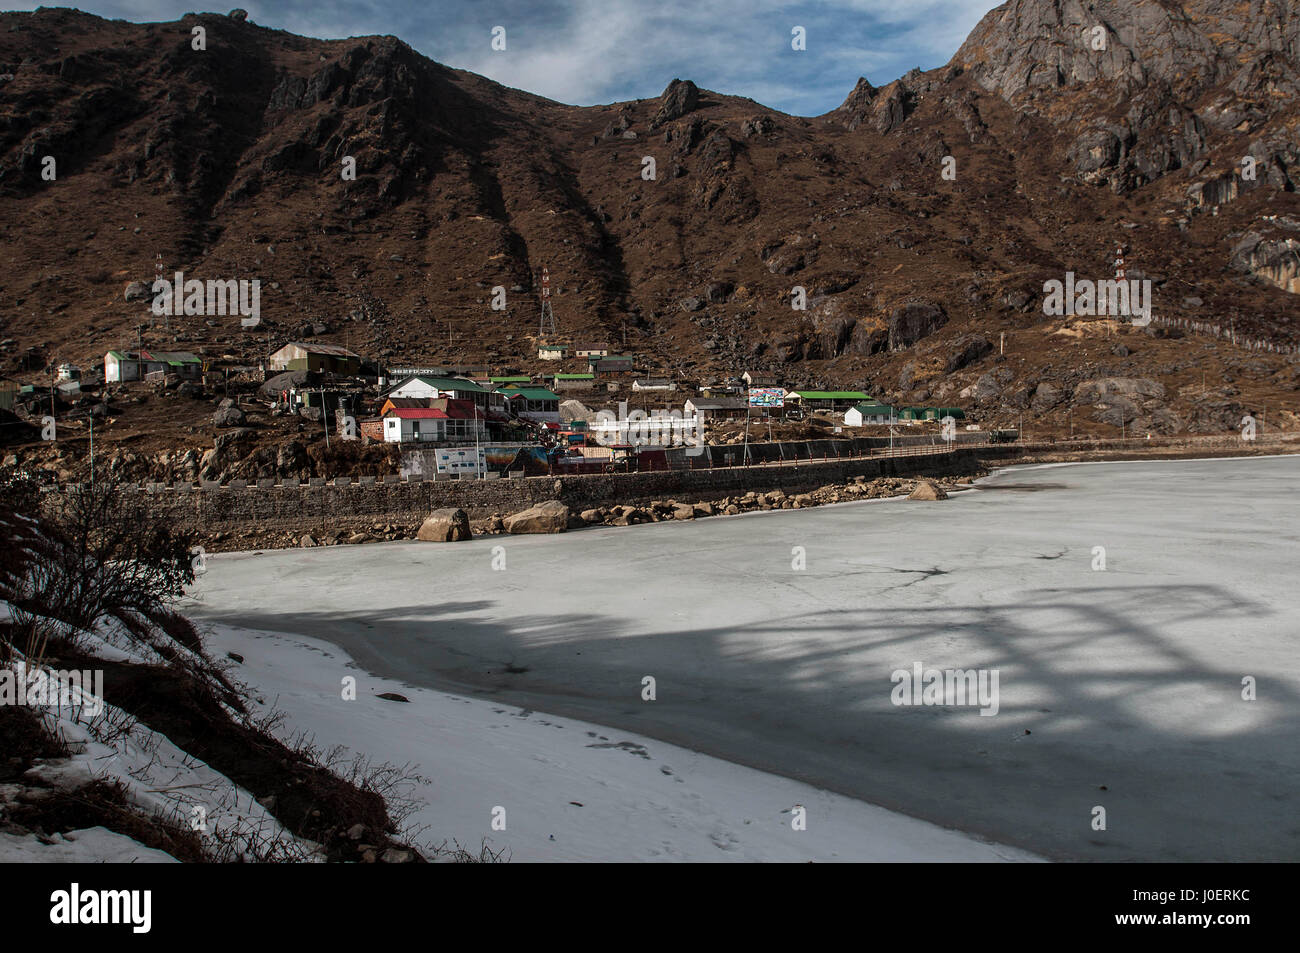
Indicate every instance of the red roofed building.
{"type": "Point", "coordinates": [448, 420]}
{"type": "Point", "coordinates": [415, 425]}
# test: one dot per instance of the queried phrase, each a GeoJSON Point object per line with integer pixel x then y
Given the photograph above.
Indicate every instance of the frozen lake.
{"type": "Point", "coordinates": [1118, 688]}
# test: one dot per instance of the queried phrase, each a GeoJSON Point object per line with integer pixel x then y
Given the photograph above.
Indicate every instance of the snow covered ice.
{"type": "Point", "coordinates": [1120, 687]}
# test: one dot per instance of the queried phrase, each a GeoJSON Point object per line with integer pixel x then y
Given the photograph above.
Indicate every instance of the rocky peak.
{"type": "Point", "coordinates": [680, 98]}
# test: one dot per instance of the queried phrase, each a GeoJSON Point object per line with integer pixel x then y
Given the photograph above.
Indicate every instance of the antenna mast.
{"type": "Point", "coordinates": [546, 329]}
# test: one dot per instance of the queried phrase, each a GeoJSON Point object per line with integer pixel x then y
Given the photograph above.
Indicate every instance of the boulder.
{"type": "Point", "coordinates": [308, 541]}
{"type": "Point", "coordinates": [592, 516]}
{"type": "Point", "coordinates": [925, 490]}
{"type": "Point", "coordinates": [229, 417]}
{"type": "Point", "coordinates": [683, 511]}
{"type": "Point", "coordinates": [549, 517]}
{"type": "Point", "coordinates": [447, 525]}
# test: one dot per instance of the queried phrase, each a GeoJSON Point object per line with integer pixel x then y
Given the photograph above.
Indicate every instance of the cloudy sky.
{"type": "Point", "coordinates": [598, 51]}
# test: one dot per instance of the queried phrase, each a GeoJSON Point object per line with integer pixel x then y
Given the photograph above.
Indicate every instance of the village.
{"type": "Point", "coordinates": [597, 412]}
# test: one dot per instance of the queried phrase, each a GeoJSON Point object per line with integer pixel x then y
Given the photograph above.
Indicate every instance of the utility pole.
{"type": "Point", "coordinates": [325, 417]}
{"type": "Point", "coordinates": [479, 474]}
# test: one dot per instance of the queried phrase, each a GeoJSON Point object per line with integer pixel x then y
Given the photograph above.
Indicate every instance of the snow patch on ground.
{"type": "Point", "coordinates": [94, 845]}
{"type": "Point", "coordinates": [573, 791]}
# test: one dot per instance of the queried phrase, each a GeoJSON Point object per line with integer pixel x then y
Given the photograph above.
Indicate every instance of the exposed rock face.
{"type": "Point", "coordinates": [913, 321]}
{"type": "Point", "coordinates": [1091, 391]}
{"type": "Point", "coordinates": [549, 517]}
{"type": "Point", "coordinates": [447, 525]}
{"type": "Point", "coordinates": [1277, 262]}
{"type": "Point", "coordinates": [291, 459]}
{"type": "Point", "coordinates": [1046, 396]}
{"type": "Point", "coordinates": [883, 110]}
{"type": "Point", "coordinates": [969, 349]}
{"type": "Point", "coordinates": [680, 98]}
{"type": "Point", "coordinates": [856, 109]}
{"type": "Point", "coordinates": [1062, 55]}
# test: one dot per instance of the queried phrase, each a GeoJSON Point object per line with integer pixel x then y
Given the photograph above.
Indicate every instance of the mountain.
{"type": "Point", "coordinates": [1071, 128]}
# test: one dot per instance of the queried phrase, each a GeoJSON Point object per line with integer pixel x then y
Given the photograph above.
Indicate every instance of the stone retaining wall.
{"type": "Point", "coordinates": [345, 504]}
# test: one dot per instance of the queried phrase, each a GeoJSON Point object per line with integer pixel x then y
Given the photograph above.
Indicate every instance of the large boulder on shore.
{"type": "Point", "coordinates": [448, 525]}
{"type": "Point", "coordinates": [925, 490]}
{"type": "Point", "coordinates": [549, 517]}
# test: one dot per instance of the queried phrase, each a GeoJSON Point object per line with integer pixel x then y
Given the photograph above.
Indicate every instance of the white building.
{"type": "Point", "coordinates": [654, 383]}
{"type": "Point", "coordinates": [415, 425]}
{"type": "Point", "coordinates": [552, 352]}
{"type": "Point", "coordinates": [859, 415]}
{"type": "Point", "coordinates": [423, 387]}
{"type": "Point", "coordinates": [121, 366]}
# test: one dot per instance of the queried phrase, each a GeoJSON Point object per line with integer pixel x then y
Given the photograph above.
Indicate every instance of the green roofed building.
{"type": "Point", "coordinates": [827, 399]}
{"type": "Point", "coordinates": [534, 403]}
{"type": "Point", "coordinates": [518, 379]}
{"type": "Point", "coordinates": [860, 415]}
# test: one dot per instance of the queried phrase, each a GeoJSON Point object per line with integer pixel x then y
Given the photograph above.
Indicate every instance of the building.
{"type": "Point", "coordinates": [573, 381]}
{"type": "Point", "coordinates": [181, 363]}
{"type": "Point", "coordinates": [402, 403]}
{"type": "Point", "coordinates": [653, 383]}
{"type": "Point", "coordinates": [938, 413]}
{"type": "Point", "coordinates": [827, 399]}
{"type": "Point", "coordinates": [716, 408]}
{"type": "Point", "coordinates": [455, 421]}
{"type": "Point", "coordinates": [859, 415]}
{"type": "Point", "coordinates": [122, 366]}
{"type": "Point", "coordinates": [534, 403]}
{"type": "Point", "coordinates": [552, 352]}
{"type": "Point", "coordinates": [723, 388]}
{"type": "Point", "coordinates": [523, 379]}
{"type": "Point", "coordinates": [753, 379]}
{"type": "Point", "coordinates": [592, 350]}
{"type": "Point", "coordinates": [415, 425]}
{"type": "Point", "coordinates": [9, 391]}
{"type": "Point", "coordinates": [468, 370]}
{"type": "Point", "coordinates": [321, 358]}
{"type": "Point", "coordinates": [610, 364]}
{"type": "Point", "coordinates": [458, 388]}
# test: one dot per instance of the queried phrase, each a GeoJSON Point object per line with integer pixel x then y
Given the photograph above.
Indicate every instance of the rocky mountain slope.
{"type": "Point", "coordinates": [1072, 127]}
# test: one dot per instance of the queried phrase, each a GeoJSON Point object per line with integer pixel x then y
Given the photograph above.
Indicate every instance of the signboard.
{"type": "Point", "coordinates": [767, 397]}
{"type": "Point", "coordinates": [468, 460]}
{"type": "Point", "coordinates": [400, 372]}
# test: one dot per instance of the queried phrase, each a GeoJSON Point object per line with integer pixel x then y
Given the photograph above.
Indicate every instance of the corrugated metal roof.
{"type": "Point", "coordinates": [830, 395]}
{"type": "Point", "coordinates": [417, 413]}
{"type": "Point", "coordinates": [330, 350]}
{"type": "Point", "coordinates": [445, 383]}
{"type": "Point", "coordinates": [531, 393]}
{"type": "Point", "coordinates": [170, 357]}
